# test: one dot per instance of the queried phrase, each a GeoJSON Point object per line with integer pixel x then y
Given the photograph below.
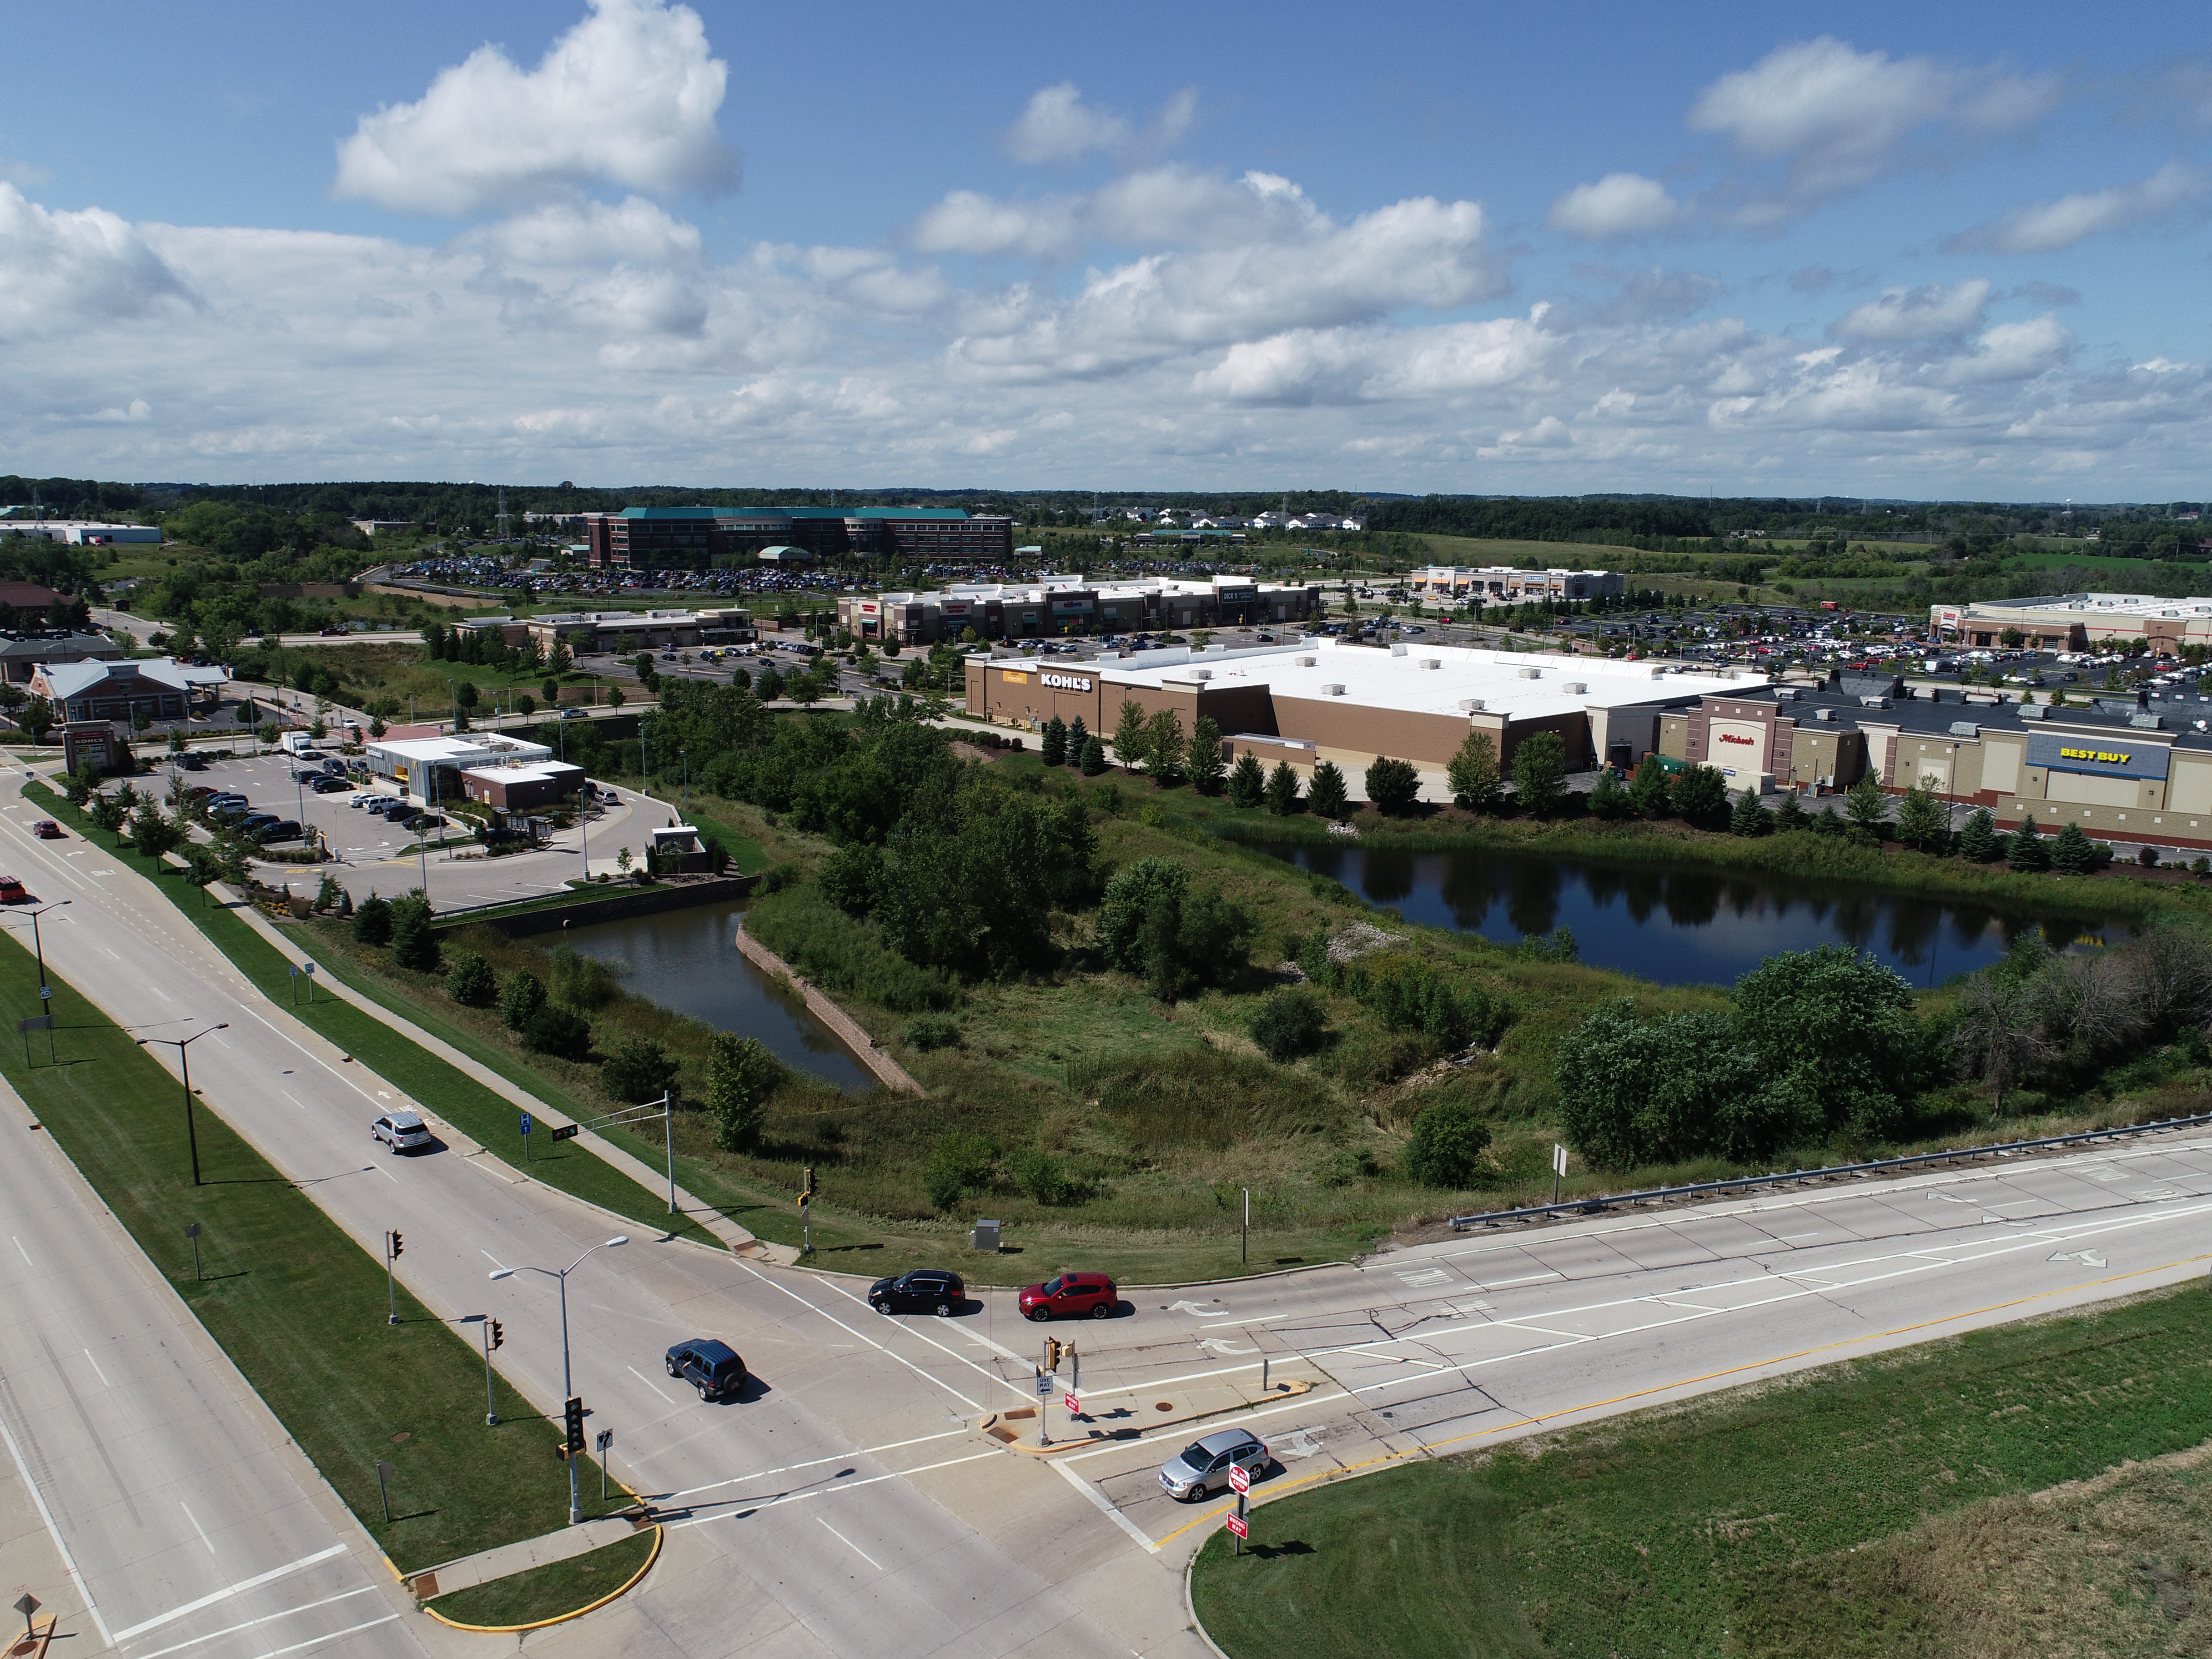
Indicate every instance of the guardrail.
{"type": "Point", "coordinates": [1826, 1172]}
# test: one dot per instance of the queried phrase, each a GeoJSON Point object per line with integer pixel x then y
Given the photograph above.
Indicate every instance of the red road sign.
{"type": "Point", "coordinates": [1074, 1406]}
{"type": "Point", "coordinates": [1240, 1526]}
{"type": "Point", "coordinates": [1240, 1479]}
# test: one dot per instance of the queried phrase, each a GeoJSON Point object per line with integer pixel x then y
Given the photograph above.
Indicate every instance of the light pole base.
{"type": "Point", "coordinates": [576, 1518]}
{"type": "Point", "coordinates": [393, 1320]}
{"type": "Point", "coordinates": [491, 1419]}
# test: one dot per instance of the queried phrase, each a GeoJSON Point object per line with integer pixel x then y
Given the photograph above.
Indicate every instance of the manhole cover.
{"type": "Point", "coordinates": [399, 1436]}
{"type": "Point", "coordinates": [1165, 1406]}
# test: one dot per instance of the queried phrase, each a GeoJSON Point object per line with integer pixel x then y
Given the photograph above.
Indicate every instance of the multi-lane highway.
{"type": "Point", "coordinates": [854, 1501]}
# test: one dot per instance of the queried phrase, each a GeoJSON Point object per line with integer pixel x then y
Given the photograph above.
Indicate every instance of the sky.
{"type": "Point", "coordinates": [1877, 250]}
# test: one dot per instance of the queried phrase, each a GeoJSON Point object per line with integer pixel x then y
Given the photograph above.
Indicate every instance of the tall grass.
{"type": "Point", "coordinates": [843, 955]}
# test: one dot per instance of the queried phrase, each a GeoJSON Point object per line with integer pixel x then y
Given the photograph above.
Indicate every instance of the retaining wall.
{"type": "Point", "coordinates": [676, 893]}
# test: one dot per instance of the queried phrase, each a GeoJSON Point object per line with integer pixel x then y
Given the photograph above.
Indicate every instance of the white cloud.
{"type": "Point", "coordinates": [1917, 313]}
{"type": "Point", "coordinates": [2071, 219]}
{"type": "Point", "coordinates": [1839, 118]}
{"type": "Point", "coordinates": [627, 97]}
{"type": "Point", "coordinates": [60, 270]}
{"type": "Point", "coordinates": [1618, 205]}
{"type": "Point", "coordinates": [1059, 127]}
{"type": "Point", "coordinates": [2015, 351]}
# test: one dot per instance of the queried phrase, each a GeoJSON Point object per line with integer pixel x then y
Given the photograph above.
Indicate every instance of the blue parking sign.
{"type": "Point", "coordinates": [526, 1123]}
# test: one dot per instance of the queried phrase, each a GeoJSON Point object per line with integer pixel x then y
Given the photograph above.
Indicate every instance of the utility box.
{"type": "Point", "coordinates": [985, 1237]}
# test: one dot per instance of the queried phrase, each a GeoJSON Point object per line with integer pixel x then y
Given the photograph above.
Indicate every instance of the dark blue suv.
{"type": "Point", "coordinates": [710, 1366]}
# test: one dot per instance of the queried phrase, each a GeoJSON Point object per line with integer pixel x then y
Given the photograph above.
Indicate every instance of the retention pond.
{"type": "Point", "coordinates": [688, 961]}
{"type": "Point", "coordinates": [1686, 925]}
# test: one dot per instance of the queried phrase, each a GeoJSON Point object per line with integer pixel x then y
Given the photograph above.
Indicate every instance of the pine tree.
{"type": "Point", "coordinates": [1282, 790]}
{"type": "Point", "coordinates": [1608, 797]}
{"type": "Point", "coordinates": [2072, 852]}
{"type": "Point", "coordinates": [1328, 795]}
{"type": "Point", "coordinates": [1977, 840]}
{"type": "Point", "coordinates": [1922, 821]}
{"type": "Point", "coordinates": [1054, 744]}
{"type": "Point", "coordinates": [1248, 781]}
{"type": "Point", "coordinates": [1202, 756]}
{"type": "Point", "coordinates": [1094, 757]}
{"type": "Point", "coordinates": [1647, 791]}
{"type": "Point", "coordinates": [2028, 852]}
{"type": "Point", "coordinates": [1791, 814]}
{"type": "Point", "coordinates": [1077, 736]}
{"type": "Point", "coordinates": [1748, 816]}
{"type": "Point", "coordinates": [1131, 738]}
{"type": "Point", "coordinates": [738, 1078]}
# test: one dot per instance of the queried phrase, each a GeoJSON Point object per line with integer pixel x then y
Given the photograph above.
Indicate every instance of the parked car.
{"type": "Point", "coordinates": [187, 761]}
{"type": "Point", "coordinates": [924, 1289]}
{"type": "Point", "coordinates": [707, 1366]}
{"type": "Point", "coordinates": [253, 823]}
{"type": "Point", "coordinates": [46, 829]}
{"type": "Point", "coordinates": [1070, 1297]}
{"type": "Point", "coordinates": [401, 1132]}
{"type": "Point", "coordinates": [422, 820]}
{"type": "Point", "coordinates": [283, 829]}
{"type": "Point", "coordinates": [328, 786]}
{"type": "Point", "coordinates": [1203, 1465]}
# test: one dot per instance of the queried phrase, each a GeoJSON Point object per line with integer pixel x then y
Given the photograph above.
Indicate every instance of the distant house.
{"type": "Point", "coordinates": [21, 655]}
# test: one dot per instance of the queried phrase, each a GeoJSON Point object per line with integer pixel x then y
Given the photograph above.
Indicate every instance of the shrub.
{"type": "Point", "coordinates": [1447, 1145]}
{"type": "Point", "coordinates": [843, 955]}
{"type": "Point", "coordinates": [1289, 1023]}
{"type": "Point", "coordinates": [371, 922]}
{"type": "Point", "coordinates": [470, 981]}
{"type": "Point", "coordinates": [933, 1031]}
{"type": "Point", "coordinates": [579, 981]}
{"type": "Point", "coordinates": [521, 996]}
{"type": "Point", "coordinates": [1392, 785]}
{"type": "Point", "coordinates": [959, 1162]}
{"type": "Point", "coordinates": [561, 1032]}
{"type": "Point", "coordinates": [639, 1071]}
{"type": "Point", "coordinates": [1609, 799]}
{"type": "Point", "coordinates": [1039, 1175]}
{"type": "Point", "coordinates": [739, 1072]}
{"type": "Point", "coordinates": [1699, 797]}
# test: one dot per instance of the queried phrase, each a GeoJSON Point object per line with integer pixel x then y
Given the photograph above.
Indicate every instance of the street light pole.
{"type": "Point", "coordinates": [568, 1384]}
{"type": "Point", "coordinates": [183, 1046]}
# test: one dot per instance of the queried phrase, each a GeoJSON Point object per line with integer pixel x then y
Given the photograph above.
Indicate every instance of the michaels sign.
{"type": "Point", "coordinates": [1065, 682]}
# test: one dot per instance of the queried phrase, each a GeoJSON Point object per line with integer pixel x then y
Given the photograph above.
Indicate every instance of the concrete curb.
{"type": "Point", "coordinates": [659, 1536]}
{"type": "Point", "coordinates": [888, 1071]}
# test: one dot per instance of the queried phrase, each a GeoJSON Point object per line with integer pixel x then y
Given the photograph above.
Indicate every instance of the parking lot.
{"type": "Point", "coordinates": [370, 854]}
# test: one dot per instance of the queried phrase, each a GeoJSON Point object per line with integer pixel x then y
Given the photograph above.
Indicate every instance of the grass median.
{"type": "Point", "coordinates": [548, 1592]}
{"type": "Point", "coordinates": [299, 1308]}
{"type": "Point", "coordinates": [478, 1112]}
{"type": "Point", "coordinates": [2039, 1487]}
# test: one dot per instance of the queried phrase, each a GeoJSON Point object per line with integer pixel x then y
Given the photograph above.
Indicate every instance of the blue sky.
{"type": "Point", "coordinates": [1876, 249]}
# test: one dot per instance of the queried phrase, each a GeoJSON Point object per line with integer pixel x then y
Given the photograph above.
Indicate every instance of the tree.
{"type": "Point", "coordinates": [1835, 1036]}
{"type": "Point", "coordinates": [466, 694]}
{"type": "Point", "coordinates": [1447, 1145]}
{"type": "Point", "coordinates": [1999, 1036]}
{"type": "Point", "coordinates": [1866, 808]}
{"type": "Point", "coordinates": [414, 941]}
{"type": "Point", "coordinates": [2028, 853]}
{"type": "Point", "coordinates": [1978, 841]}
{"type": "Point", "coordinates": [1923, 822]}
{"type": "Point", "coordinates": [1647, 791]}
{"type": "Point", "coordinates": [1289, 1023]}
{"type": "Point", "coordinates": [1247, 782]}
{"type": "Point", "coordinates": [1791, 814]}
{"type": "Point", "coordinates": [1164, 748]}
{"type": "Point", "coordinates": [521, 995]}
{"type": "Point", "coordinates": [37, 719]}
{"type": "Point", "coordinates": [1609, 799]}
{"type": "Point", "coordinates": [1473, 775]}
{"type": "Point", "coordinates": [108, 812]}
{"type": "Point", "coordinates": [616, 698]}
{"type": "Point", "coordinates": [1053, 746]}
{"type": "Point", "coordinates": [176, 740]}
{"type": "Point", "coordinates": [2072, 852]}
{"type": "Point", "coordinates": [1150, 922]}
{"type": "Point", "coordinates": [738, 1076]}
{"type": "Point", "coordinates": [1392, 785]}
{"type": "Point", "coordinates": [1328, 794]}
{"type": "Point", "coordinates": [1094, 756]}
{"type": "Point", "coordinates": [153, 832]}
{"type": "Point", "coordinates": [1202, 756]}
{"type": "Point", "coordinates": [1539, 772]}
{"type": "Point", "coordinates": [561, 1032]}
{"type": "Point", "coordinates": [372, 922]}
{"type": "Point", "coordinates": [767, 684]}
{"type": "Point", "coordinates": [639, 1072]}
{"type": "Point", "coordinates": [1131, 736]}
{"type": "Point", "coordinates": [1748, 817]}
{"type": "Point", "coordinates": [1283, 790]}
{"type": "Point", "coordinates": [470, 981]}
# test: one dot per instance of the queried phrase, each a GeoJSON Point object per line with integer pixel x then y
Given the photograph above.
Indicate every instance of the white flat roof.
{"type": "Point", "coordinates": [529, 772]}
{"type": "Point", "coordinates": [490, 750]}
{"type": "Point", "coordinates": [1522, 684]}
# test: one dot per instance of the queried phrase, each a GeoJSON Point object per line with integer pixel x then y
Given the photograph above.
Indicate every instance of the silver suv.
{"type": "Point", "coordinates": [1204, 1465]}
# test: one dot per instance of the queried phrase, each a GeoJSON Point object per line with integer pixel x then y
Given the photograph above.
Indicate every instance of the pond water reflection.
{"type": "Point", "coordinates": [1685, 924]}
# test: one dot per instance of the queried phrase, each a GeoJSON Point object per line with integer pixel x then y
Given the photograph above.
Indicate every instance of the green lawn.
{"type": "Point", "coordinates": [549, 1591]}
{"type": "Point", "coordinates": [300, 1309]}
{"type": "Point", "coordinates": [1900, 1505]}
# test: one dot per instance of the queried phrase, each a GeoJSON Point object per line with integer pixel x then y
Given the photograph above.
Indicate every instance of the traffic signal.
{"type": "Point", "coordinates": [573, 1421]}
{"type": "Point", "coordinates": [496, 1337]}
{"type": "Point", "coordinates": [1052, 1353]}
{"type": "Point", "coordinates": [397, 1244]}
{"type": "Point", "coordinates": [806, 1189]}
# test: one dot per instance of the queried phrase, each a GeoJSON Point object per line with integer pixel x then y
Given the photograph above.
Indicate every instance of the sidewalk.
{"type": "Point", "coordinates": [470, 1571]}
{"type": "Point", "coordinates": [731, 1234]}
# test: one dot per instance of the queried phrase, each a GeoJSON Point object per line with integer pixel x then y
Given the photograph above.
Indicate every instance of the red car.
{"type": "Point", "coordinates": [1070, 1297]}
{"type": "Point", "coordinates": [46, 829]}
{"type": "Point", "coordinates": [12, 891]}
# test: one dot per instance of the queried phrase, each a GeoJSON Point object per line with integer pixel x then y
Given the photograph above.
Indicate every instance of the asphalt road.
{"type": "Point", "coordinates": [850, 1503]}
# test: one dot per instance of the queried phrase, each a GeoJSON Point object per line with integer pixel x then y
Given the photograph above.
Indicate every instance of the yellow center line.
{"type": "Point", "coordinates": [1289, 1487]}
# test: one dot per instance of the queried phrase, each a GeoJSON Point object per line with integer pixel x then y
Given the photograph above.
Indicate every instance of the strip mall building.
{"type": "Point", "coordinates": [1314, 700]}
{"type": "Point", "coordinates": [1057, 606]}
{"type": "Point", "coordinates": [2076, 621]}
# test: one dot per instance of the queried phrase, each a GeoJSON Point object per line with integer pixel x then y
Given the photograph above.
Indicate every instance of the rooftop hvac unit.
{"type": "Point", "coordinates": [1332, 691]}
{"type": "Point", "coordinates": [1306, 662]}
{"type": "Point", "coordinates": [2148, 722]}
{"type": "Point", "coordinates": [1201, 674]}
{"type": "Point", "coordinates": [1966, 729]}
{"type": "Point", "coordinates": [1433, 662]}
{"type": "Point", "coordinates": [1473, 705]}
{"type": "Point", "coordinates": [1575, 688]}
{"type": "Point", "coordinates": [2032, 711]}
{"type": "Point", "coordinates": [1531, 673]}
{"type": "Point", "coordinates": [1823, 714]}
{"type": "Point", "coordinates": [1397, 650]}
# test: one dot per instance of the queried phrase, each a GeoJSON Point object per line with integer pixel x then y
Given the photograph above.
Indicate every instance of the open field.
{"type": "Point", "coordinates": [292, 1300]}
{"type": "Point", "coordinates": [2034, 1488]}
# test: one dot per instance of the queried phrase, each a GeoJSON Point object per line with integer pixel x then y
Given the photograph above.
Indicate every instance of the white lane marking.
{"type": "Point", "coordinates": [1107, 1507]}
{"type": "Point", "coordinates": [851, 1546]}
{"type": "Point", "coordinates": [816, 1462]}
{"type": "Point", "coordinates": [972, 1405]}
{"type": "Point", "coordinates": [25, 1253]}
{"type": "Point", "coordinates": [1529, 1279]}
{"type": "Point", "coordinates": [281, 1612]}
{"type": "Point", "coordinates": [648, 1381]}
{"type": "Point", "coordinates": [317, 1641]}
{"type": "Point", "coordinates": [849, 1485]}
{"type": "Point", "coordinates": [1427, 1276]}
{"type": "Point", "coordinates": [196, 1527]}
{"type": "Point", "coordinates": [61, 1544]}
{"type": "Point", "coordinates": [226, 1592]}
{"type": "Point", "coordinates": [378, 1167]}
{"type": "Point", "coordinates": [988, 1375]}
{"type": "Point", "coordinates": [96, 1371]}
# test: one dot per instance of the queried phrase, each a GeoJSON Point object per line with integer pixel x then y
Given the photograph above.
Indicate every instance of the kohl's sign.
{"type": "Point", "coordinates": [1065, 682]}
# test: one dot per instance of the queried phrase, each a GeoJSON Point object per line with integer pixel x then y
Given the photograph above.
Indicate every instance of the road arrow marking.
{"type": "Point", "coordinates": [1194, 1308]}
{"type": "Point", "coordinates": [1219, 1346]}
{"type": "Point", "coordinates": [1299, 1443]}
{"type": "Point", "coordinates": [2087, 1258]}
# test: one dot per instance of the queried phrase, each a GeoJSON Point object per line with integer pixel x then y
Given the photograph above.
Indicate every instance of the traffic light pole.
{"type": "Point", "coordinates": [392, 1246]}
{"type": "Point", "coordinates": [491, 1405]}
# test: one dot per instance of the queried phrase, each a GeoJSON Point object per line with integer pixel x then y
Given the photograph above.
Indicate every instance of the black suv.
{"type": "Point", "coordinates": [925, 1290]}
{"type": "Point", "coordinates": [711, 1367]}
